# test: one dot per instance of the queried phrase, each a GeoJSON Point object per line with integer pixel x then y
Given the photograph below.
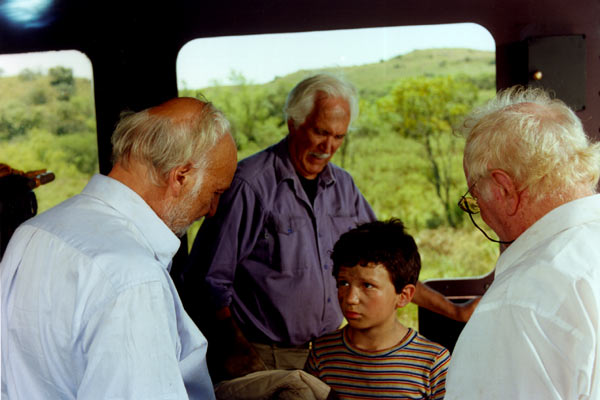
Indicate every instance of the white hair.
{"type": "Point", "coordinates": [537, 140]}
{"type": "Point", "coordinates": [301, 100]}
{"type": "Point", "coordinates": [163, 144]}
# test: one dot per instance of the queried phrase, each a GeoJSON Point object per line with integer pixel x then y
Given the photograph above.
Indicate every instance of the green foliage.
{"type": "Point", "coordinates": [15, 120]}
{"type": "Point", "coordinates": [28, 75]}
{"type": "Point", "coordinates": [38, 96]}
{"type": "Point", "coordinates": [72, 158]}
{"type": "Point", "coordinates": [40, 128]}
{"type": "Point", "coordinates": [254, 111]}
{"type": "Point", "coordinates": [62, 79]}
{"type": "Point", "coordinates": [425, 110]}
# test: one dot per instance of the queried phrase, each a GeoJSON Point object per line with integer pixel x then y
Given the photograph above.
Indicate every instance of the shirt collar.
{"type": "Point", "coordinates": [284, 169]}
{"type": "Point", "coordinates": [566, 216]}
{"type": "Point", "coordinates": [161, 239]}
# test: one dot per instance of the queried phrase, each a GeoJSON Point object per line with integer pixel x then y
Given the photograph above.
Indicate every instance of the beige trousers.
{"type": "Point", "coordinates": [276, 357]}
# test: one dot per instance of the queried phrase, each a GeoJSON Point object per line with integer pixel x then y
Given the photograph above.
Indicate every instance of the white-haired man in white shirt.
{"type": "Point", "coordinates": [88, 307]}
{"type": "Point", "coordinates": [533, 173]}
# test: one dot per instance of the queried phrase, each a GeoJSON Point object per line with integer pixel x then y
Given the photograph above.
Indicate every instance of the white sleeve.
{"type": "Point", "coordinates": [131, 347]}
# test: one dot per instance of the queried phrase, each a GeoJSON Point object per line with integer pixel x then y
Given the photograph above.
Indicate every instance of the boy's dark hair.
{"type": "Point", "coordinates": [380, 242]}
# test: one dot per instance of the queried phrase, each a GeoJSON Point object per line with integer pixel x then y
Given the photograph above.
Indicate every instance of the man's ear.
{"type": "Point", "coordinates": [505, 190]}
{"type": "Point", "coordinates": [178, 178]}
{"type": "Point", "coordinates": [405, 296]}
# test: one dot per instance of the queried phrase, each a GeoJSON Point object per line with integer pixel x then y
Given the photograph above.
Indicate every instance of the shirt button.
{"type": "Point", "coordinates": [326, 266]}
{"type": "Point", "coordinates": [329, 299]}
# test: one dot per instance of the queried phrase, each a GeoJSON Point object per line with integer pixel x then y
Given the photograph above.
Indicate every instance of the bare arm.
{"type": "Point", "coordinates": [434, 301]}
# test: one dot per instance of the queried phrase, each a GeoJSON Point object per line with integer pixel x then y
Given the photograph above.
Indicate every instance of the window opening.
{"type": "Point", "coordinates": [414, 83]}
{"type": "Point", "coordinates": [47, 120]}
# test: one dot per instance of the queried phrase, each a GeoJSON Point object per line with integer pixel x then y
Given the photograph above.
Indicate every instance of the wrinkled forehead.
{"type": "Point", "coordinates": [330, 110]}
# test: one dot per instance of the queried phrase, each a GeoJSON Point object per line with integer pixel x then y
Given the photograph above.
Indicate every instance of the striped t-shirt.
{"type": "Point", "coordinates": [413, 369]}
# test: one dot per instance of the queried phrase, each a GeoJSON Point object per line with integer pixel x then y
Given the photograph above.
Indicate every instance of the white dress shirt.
{"type": "Point", "coordinates": [534, 335]}
{"type": "Point", "coordinates": [89, 310]}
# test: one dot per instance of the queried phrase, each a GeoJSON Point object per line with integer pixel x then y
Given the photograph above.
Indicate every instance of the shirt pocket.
{"type": "Point", "coordinates": [283, 242]}
{"type": "Point", "coordinates": [341, 224]}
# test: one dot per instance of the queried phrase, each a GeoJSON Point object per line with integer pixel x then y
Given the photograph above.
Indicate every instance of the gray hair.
{"type": "Point", "coordinates": [162, 144]}
{"type": "Point", "coordinates": [301, 100]}
{"type": "Point", "coordinates": [537, 140]}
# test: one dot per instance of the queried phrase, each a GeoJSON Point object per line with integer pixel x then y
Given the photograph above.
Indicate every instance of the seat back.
{"type": "Point", "coordinates": [443, 330]}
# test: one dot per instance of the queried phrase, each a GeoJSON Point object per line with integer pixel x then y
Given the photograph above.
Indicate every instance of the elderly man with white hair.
{"type": "Point", "coordinates": [532, 173]}
{"type": "Point", "coordinates": [88, 307]}
{"type": "Point", "coordinates": [264, 257]}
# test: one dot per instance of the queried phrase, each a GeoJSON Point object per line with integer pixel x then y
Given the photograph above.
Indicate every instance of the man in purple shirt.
{"type": "Point", "coordinates": [265, 256]}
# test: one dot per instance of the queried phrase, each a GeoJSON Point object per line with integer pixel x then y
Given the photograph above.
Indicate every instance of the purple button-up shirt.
{"type": "Point", "coordinates": [266, 253]}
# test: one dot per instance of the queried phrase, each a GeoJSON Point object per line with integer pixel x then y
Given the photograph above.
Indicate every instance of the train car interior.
{"type": "Point", "coordinates": [133, 48]}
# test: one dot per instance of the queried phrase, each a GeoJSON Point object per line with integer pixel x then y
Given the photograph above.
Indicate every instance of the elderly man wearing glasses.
{"type": "Point", "coordinates": [532, 174]}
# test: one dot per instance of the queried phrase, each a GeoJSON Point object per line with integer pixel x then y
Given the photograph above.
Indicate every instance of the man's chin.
{"type": "Point", "coordinates": [180, 231]}
{"type": "Point", "coordinates": [315, 169]}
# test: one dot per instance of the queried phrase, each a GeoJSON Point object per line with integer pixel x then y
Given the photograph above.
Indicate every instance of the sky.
{"type": "Point", "coordinates": [261, 58]}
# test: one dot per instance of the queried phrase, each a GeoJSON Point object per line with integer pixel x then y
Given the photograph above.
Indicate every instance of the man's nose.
{"type": "Point", "coordinates": [327, 145]}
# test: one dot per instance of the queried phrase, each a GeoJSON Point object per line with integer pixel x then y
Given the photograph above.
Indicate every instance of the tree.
{"type": "Point", "coordinates": [426, 109]}
{"type": "Point", "coordinates": [62, 79]}
{"type": "Point", "coordinates": [250, 109]}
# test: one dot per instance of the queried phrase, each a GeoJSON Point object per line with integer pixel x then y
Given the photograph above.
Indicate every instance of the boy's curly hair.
{"type": "Point", "coordinates": [380, 242]}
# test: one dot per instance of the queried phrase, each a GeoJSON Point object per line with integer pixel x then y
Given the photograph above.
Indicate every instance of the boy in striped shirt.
{"type": "Point", "coordinates": [374, 356]}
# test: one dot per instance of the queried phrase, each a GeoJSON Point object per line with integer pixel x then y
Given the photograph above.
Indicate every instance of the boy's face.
{"type": "Point", "coordinates": [368, 297]}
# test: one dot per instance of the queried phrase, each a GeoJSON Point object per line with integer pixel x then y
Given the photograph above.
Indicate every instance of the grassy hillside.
{"type": "Point", "coordinates": [379, 77]}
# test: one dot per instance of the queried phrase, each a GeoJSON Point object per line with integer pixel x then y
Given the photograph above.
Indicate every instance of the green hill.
{"type": "Point", "coordinates": [376, 79]}
{"type": "Point", "coordinates": [435, 62]}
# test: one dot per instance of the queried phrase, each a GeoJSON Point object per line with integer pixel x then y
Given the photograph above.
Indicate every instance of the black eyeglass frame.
{"type": "Point", "coordinates": [463, 204]}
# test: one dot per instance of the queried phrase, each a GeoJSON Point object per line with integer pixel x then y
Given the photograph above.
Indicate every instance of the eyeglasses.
{"type": "Point", "coordinates": [469, 204]}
